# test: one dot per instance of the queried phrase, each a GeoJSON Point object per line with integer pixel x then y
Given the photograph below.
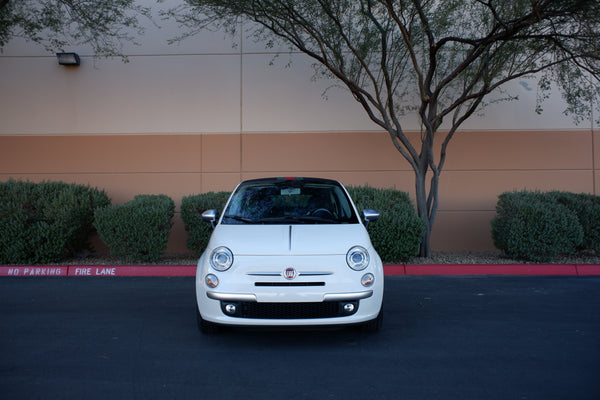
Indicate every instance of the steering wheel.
{"type": "Point", "coordinates": [322, 213]}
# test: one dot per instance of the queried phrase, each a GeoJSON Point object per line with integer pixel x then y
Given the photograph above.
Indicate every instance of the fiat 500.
{"type": "Point", "coordinates": [289, 252]}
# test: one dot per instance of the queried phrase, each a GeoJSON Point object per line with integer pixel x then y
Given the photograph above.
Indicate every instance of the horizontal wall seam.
{"type": "Point", "coordinates": [443, 171]}
{"type": "Point", "coordinates": [83, 173]}
{"type": "Point", "coordinates": [283, 132]}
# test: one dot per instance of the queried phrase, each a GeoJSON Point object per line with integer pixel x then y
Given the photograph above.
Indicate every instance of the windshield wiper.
{"type": "Point", "coordinates": [241, 219]}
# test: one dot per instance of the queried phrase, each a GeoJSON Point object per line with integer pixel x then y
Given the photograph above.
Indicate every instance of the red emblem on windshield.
{"type": "Point", "coordinates": [289, 273]}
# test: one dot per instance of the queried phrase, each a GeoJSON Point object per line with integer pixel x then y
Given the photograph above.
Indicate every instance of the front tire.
{"type": "Point", "coordinates": [206, 327]}
{"type": "Point", "coordinates": [375, 324]}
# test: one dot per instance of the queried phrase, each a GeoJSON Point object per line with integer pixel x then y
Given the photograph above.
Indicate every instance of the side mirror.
{"type": "Point", "coordinates": [210, 216]}
{"type": "Point", "coordinates": [370, 216]}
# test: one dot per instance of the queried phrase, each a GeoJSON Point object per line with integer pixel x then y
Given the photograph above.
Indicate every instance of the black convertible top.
{"type": "Point", "coordinates": [289, 180]}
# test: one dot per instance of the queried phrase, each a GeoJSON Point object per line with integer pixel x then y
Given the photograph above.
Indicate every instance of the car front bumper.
{"type": "Point", "coordinates": [290, 306]}
{"type": "Point", "coordinates": [233, 310]}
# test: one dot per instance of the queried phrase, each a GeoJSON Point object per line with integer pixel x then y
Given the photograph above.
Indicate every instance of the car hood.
{"type": "Point", "coordinates": [268, 240]}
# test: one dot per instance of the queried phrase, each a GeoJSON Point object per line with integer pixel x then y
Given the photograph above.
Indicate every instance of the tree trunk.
{"type": "Point", "coordinates": [423, 211]}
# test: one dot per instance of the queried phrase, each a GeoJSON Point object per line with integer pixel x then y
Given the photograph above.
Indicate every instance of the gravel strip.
{"type": "Point", "coordinates": [495, 257]}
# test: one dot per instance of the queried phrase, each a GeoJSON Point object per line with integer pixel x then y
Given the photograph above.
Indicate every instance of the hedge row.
{"type": "Point", "coordinates": [539, 227]}
{"type": "Point", "coordinates": [51, 221]}
{"type": "Point", "coordinates": [137, 230]}
{"type": "Point", "coordinates": [396, 236]}
{"type": "Point", "coordinates": [46, 222]}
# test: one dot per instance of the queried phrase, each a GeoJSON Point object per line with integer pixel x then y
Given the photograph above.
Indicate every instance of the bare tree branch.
{"type": "Point", "coordinates": [438, 58]}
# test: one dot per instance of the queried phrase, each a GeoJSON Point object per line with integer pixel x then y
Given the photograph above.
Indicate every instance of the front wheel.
{"type": "Point", "coordinates": [375, 324]}
{"type": "Point", "coordinates": [206, 327]}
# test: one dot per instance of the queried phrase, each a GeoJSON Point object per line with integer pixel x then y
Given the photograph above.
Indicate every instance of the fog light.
{"type": "Point", "coordinates": [367, 280]}
{"type": "Point", "coordinates": [211, 281]}
{"type": "Point", "coordinates": [348, 308]}
{"type": "Point", "coordinates": [230, 309]}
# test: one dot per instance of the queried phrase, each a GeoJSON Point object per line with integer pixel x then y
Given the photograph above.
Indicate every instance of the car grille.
{"type": "Point", "coordinates": [284, 284]}
{"type": "Point", "coordinates": [255, 310]}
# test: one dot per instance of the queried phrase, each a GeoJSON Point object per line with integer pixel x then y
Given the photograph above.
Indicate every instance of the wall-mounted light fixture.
{"type": "Point", "coordinates": [68, 58]}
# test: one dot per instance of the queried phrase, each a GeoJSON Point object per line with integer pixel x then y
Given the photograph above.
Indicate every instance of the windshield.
{"type": "Point", "coordinates": [289, 202]}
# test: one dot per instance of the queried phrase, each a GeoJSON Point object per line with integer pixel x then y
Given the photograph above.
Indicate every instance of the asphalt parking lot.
{"type": "Point", "coordinates": [520, 338]}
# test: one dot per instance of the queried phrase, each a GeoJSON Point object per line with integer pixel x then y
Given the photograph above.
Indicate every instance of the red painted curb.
{"type": "Point", "coordinates": [133, 270]}
{"type": "Point", "coordinates": [33, 270]}
{"type": "Point", "coordinates": [495, 269]}
{"type": "Point", "coordinates": [588, 269]}
{"type": "Point", "coordinates": [99, 270]}
{"type": "Point", "coordinates": [389, 270]}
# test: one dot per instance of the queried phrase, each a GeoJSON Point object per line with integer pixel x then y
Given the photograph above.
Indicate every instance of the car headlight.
{"type": "Point", "coordinates": [221, 258]}
{"type": "Point", "coordinates": [357, 258]}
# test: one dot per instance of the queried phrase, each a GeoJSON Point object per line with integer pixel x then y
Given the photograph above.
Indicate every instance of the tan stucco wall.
{"type": "Point", "coordinates": [480, 166]}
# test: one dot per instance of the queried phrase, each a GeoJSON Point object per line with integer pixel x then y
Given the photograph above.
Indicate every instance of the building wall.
{"type": "Point", "coordinates": [204, 114]}
{"type": "Point", "coordinates": [480, 166]}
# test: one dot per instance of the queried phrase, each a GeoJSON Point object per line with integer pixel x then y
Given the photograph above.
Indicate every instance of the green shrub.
{"type": "Point", "coordinates": [46, 222]}
{"type": "Point", "coordinates": [535, 226]}
{"type": "Point", "coordinates": [398, 233]}
{"type": "Point", "coordinates": [587, 208]}
{"type": "Point", "coordinates": [137, 230]}
{"type": "Point", "coordinates": [192, 208]}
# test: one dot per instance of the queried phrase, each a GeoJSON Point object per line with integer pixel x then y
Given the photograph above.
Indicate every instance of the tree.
{"type": "Point", "coordinates": [102, 24]}
{"type": "Point", "coordinates": [442, 59]}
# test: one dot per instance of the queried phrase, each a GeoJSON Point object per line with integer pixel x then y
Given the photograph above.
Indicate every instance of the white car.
{"type": "Point", "coordinates": [289, 252]}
